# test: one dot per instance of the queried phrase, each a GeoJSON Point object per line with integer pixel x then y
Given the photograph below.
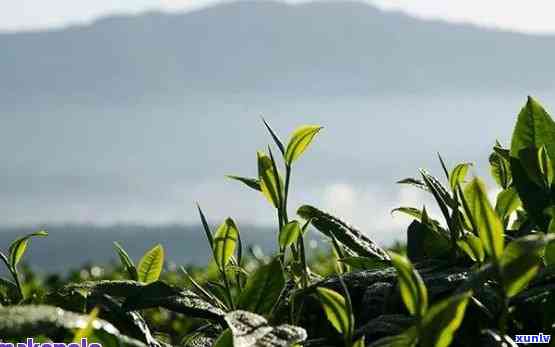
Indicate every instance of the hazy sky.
{"type": "Point", "coordinates": [529, 16]}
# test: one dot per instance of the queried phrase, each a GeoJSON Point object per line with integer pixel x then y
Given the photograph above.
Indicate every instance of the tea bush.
{"type": "Point", "coordinates": [482, 274]}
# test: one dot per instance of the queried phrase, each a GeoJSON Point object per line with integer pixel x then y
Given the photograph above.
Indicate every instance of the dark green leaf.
{"type": "Point", "coordinates": [18, 321]}
{"type": "Point", "coordinates": [253, 183]}
{"type": "Point", "coordinates": [160, 294]}
{"type": "Point", "coordinates": [426, 242]}
{"type": "Point", "coordinates": [225, 339]}
{"type": "Point", "coordinates": [346, 234]}
{"type": "Point", "coordinates": [127, 262]}
{"type": "Point", "coordinates": [278, 142]}
{"type": "Point", "coordinates": [263, 288]}
{"type": "Point", "coordinates": [414, 182]}
{"type": "Point", "coordinates": [363, 263]}
{"type": "Point", "coordinates": [250, 329]}
{"type": "Point", "coordinates": [206, 227]}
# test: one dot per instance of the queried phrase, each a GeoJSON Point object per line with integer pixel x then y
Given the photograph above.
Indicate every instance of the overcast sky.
{"type": "Point", "coordinates": [528, 16]}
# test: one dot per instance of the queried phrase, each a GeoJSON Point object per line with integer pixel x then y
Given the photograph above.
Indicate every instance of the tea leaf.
{"type": "Point", "coordinates": [336, 310]}
{"type": "Point", "coordinates": [150, 265]}
{"type": "Point", "coordinates": [127, 262]}
{"type": "Point", "coordinates": [406, 339]}
{"type": "Point", "coordinates": [534, 128]}
{"type": "Point", "coordinates": [349, 236]}
{"type": "Point", "coordinates": [37, 320]}
{"type": "Point", "coordinates": [225, 339]}
{"type": "Point", "coordinates": [472, 246]}
{"type": "Point", "coordinates": [268, 179]}
{"type": "Point", "coordinates": [206, 228]}
{"type": "Point", "coordinates": [415, 183]}
{"type": "Point", "coordinates": [364, 263]}
{"type": "Point", "coordinates": [409, 211]}
{"type": "Point", "coordinates": [507, 202]}
{"type": "Point", "coordinates": [9, 290]}
{"type": "Point", "coordinates": [442, 321]}
{"type": "Point", "coordinates": [18, 247]}
{"type": "Point", "coordinates": [263, 288]}
{"type": "Point", "coordinates": [520, 262]}
{"type": "Point", "coordinates": [225, 240]}
{"type": "Point", "coordinates": [545, 166]}
{"type": "Point", "coordinates": [289, 234]}
{"type": "Point", "coordinates": [299, 142]}
{"type": "Point", "coordinates": [250, 182]}
{"type": "Point", "coordinates": [500, 170]}
{"type": "Point", "coordinates": [160, 294]}
{"type": "Point", "coordinates": [458, 174]}
{"type": "Point", "coordinates": [424, 241]}
{"type": "Point", "coordinates": [275, 137]}
{"type": "Point", "coordinates": [490, 229]}
{"type": "Point", "coordinates": [411, 285]}
{"type": "Point", "coordinates": [550, 254]}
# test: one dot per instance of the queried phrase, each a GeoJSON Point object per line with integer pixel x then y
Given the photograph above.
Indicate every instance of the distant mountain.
{"type": "Point", "coordinates": [69, 247]}
{"type": "Point", "coordinates": [320, 48]}
{"type": "Point", "coordinates": [133, 118]}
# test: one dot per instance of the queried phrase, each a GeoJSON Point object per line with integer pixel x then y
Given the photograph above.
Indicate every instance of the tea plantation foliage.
{"type": "Point", "coordinates": [478, 276]}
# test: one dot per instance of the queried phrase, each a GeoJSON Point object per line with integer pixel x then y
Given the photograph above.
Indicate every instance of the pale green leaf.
{"type": "Point", "coordinates": [263, 288]}
{"type": "Point", "coordinates": [336, 310]}
{"type": "Point", "coordinates": [507, 202]}
{"type": "Point", "coordinates": [442, 321]}
{"type": "Point", "coordinates": [458, 174]}
{"type": "Point", "coordinates": [299, 142]}
{"type": "Point", "coordinates": [490, 228]}
{"type": "Point", "coordinates": [150, 265]}
{"type": "Point", "coordinates": [269, 179]}
{"type": "Point", "coordinates": [18, 247]}
{"type": "Point", "coordinates": [520, 262]}
{"type": "Point", "coordinates": [472, 246]}
{"type": "Point", "coordinates": [411, 285]}
{"type": "Point", "coordinates": [289, 234]}
{"type": "Point", "coordinates": [225, 241]}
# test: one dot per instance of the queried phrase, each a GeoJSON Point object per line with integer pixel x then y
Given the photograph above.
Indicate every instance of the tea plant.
{"type": "Point", "coordinates": [478, 276]}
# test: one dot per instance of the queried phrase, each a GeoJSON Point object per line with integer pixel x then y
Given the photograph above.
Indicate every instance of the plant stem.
{"type": "Point", "coordinates": [13, 272]}
{"type": "Point", "coordinates": [287, 180]}
{"type": "Point", "coordinates": [227, 288]}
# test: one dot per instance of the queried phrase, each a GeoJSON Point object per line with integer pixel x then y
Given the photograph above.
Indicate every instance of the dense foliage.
{"type": "Point", "coordinates": [477, 277]}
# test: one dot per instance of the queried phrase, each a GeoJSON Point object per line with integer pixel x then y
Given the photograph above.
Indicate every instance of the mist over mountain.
{"type": "Point", "coordinates": [133, 118]}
